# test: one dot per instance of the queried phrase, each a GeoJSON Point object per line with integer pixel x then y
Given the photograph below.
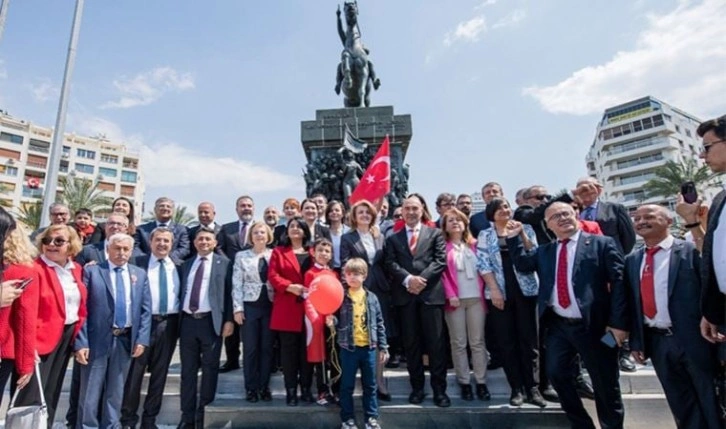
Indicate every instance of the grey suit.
{"type": "Point", "coordinates": [200, 340]}
{"type": "Point", "coordinates": [684, 361]}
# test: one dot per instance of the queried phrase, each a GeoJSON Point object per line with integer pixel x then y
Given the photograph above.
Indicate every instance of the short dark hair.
{"type": "Point", "coordinates": [84, 211]}
{"type": "Point", "coordinates": [203, 228]}
{"type": "Point", "coordinates": [494, 205]}
{"type": "Point", "coordinates": [322, 242]}
{"type": "Point", "coordinates": [718, 126]}
{"type": "Point", "coordinates": [445, 196]}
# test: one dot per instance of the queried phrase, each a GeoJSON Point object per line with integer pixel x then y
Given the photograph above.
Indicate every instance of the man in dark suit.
{"type": "Point", "coordinates": [164, 210]}
{"type": "Point", "coordinates": [664, 288]}
{"type": "Point", "coordinates": [581, 297]}
{"type": "Point", "coordinates": [164, 287]}
{"type": "Point", "coordinates": [116, 330]}
{"type": "Point", "coordinates": [205, 214]}
{"type": "Point", "coordinates": [444, 202]}
{"type": "Point", "coordinates": [206, 317]}
{"type": "Point", "coordinates": [233, 238]}
{"type": "Point", "coordinates": [479, 221]}
{"type": "Point", "coordinates": [415, 258]}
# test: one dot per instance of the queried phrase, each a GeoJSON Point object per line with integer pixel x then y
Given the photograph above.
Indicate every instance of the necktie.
{"type": "Point", "coordinates": [647, 285]}
{"type": "Point", "coordinates": [412, 241]}
{"type": "Point", "coordinates": [163, 225]}
{"type": "Point", "coordinates": [163, 291]}
{"type": "Point", "coordinates": [587, 214]}
{"type": "Point", "coordinates": [197, 286]}
{"type": "Point", "coordinates": [563, 294]}
{"type": "Point", "coordinates": [243, 234]}
{"type": "Point", "coordinates": [120, 307]}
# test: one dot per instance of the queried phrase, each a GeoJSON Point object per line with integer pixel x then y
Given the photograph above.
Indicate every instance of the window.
{"type": "Point", "coordinates": [84, 168]}
{"type": "Point", "coordinates": [88, 154]}
{"type": "Point", "coordinates": [66, 150]}
{"type": "Point", "coordinates": [128, 176]}
{"type": "Point", "coordinates": [688, 132]}
{"type": "Point", "coordinates": [39, 146]}
{"type": "Point", "coordinates": [111, 159]}
{"type": "Point", "coordinates": [107, 172]}
{"type": "Point", "coordinates": [10, 171]}
{"type": "Point", "coordinates": [12, 138]}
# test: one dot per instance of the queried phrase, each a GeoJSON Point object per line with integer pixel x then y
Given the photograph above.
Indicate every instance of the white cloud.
{"type": "Point", "coordinates": [679, 57]}
{"type": "Point", "coordinates": [147, 87]}
{"type": "Point", "coordinates": [485, 3]}
{"type": "Point", "coordinates": [515, 17]}
{"type": "Point", "coordinates": [467, 31]}
{"type": "Point", "coordinates": [44, 90]}
{"type": "Point", "coordinates": [3, 70]}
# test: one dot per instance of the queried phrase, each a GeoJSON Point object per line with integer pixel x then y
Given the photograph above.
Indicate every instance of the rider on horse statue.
{"type": "Point", "coordinates": [355, 71]}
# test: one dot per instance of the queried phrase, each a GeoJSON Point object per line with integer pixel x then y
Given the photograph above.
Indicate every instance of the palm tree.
{"type": "Point", "coordinates": [669, 178]}
{"type": "Point", "coordinates": [180, 217]}
{"type": "Point", "coordinates": [83, 193]}
{"type": "Point", "coordinates": [30, 214]}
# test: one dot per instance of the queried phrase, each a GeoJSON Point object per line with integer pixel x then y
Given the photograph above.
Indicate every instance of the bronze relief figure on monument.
{"type": "Point", "coordinates": [340, 143]}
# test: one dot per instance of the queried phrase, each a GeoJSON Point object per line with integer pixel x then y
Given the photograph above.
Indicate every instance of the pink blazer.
{"type": "Point", "coordinates": [451, 288]}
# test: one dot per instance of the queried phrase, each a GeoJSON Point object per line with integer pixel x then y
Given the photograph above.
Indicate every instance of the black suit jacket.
{"type": "Point", "coordinates": [180, 247]}
{"type": "Point", "coordinates": [712, 302]}
{"type": "Point", "coordinates": [351, 246]}
{"type": "Point", "coordinates": [428, 262]}
{"type": "Point", "coordinates": [228, 241]}
{"type": "Point", "coordinates": [220, 289]}
{"type": "Point", "coordinates": [615, 222]}
{"type": "Point", "coordinates": [534, 217]}
{"type": "Point", "coordinates": [193, 233]}
{"type": "Point", "coordinates": [597, 279]}
{"type": "Point", "coordinates": [478, 223]}
{"type": "Point", "coordinates": [684, 296]}
{"type": "Point", "coordinates": [96, 253]}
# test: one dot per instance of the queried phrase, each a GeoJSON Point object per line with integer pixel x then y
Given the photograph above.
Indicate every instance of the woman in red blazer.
{"type": "Point", "coordinates": [18, 321]}
{"type": "Point", "coordinates": [288, 264]}
{"type": "Point", "coordinates": [61, 311]}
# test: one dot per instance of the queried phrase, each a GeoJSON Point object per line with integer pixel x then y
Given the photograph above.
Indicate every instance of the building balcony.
{"type": "Point", "coordinates": [40, 149]}
{"type": "Point", "coordinates": [613, 170]}
{"type": "Point", "coordinates": [661, 130]}
{"type": "Point", "coordinates": [36, 165]}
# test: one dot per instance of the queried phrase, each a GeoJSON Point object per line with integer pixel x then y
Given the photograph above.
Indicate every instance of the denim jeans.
{"type": "Point", "coordinates": [365, 359]}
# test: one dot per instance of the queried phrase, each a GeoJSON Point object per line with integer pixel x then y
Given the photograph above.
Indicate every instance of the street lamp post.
{"type": "Point", "coordinates": [56, 148]}
{"type": "Point", "coordinates": [3, 13]}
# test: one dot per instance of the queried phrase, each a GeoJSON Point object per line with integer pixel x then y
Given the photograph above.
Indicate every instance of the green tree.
{"type": "Point", "coordinates": [83, 193]}
{"type": "Point", "coordinates": [669, 178]}
{"type": "Point", "coordinates": [30, 214]}
{"type": "Point", "coordinates": [180, 216]}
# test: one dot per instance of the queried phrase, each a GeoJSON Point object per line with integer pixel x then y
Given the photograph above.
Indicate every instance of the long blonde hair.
{"type": "Point", "coordinates": [17, 248]}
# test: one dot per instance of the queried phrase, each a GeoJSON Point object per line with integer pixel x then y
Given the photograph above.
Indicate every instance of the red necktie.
{"type": "Point", "coordinates": [563, 294]}
{"type": "Point", "coordinates": [647, 285]}
{"type": "Point", "coordinates": [412, 241]}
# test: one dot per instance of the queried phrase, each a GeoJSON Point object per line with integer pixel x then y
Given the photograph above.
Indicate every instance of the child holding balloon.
{"type": "Point", "coordinates": [362, 340]}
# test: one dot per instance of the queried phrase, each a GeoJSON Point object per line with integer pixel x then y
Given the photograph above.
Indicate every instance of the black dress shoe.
{"type": "Point", "coordinates": [291, 397]}
{"type": "Point", "coordinates": [466, 393]}
{"type": "Point", "coordinates": [584, 389]}
{"type": "Point", "coordinates": [266, 395]}
{"type": "Point", "coordinates": [516, 399]}
{"type": "Point", "coordinates": [494, 364]}
{"type": "Point", "coordinates": [442, 400]}
{"type": "Point", "coordinates": [626, 365]}
{"type": "Point", "coordinates": [416, 397]}
{"type": "Point", "coordinates": [550, 394]}
{"type": "Point", "coordinates": [229, 366]}
{"type": "Point", "coordinates": [535, 398]}
{"type": "Point", "coordinates": [306, 395]}
{"type": "Point", "coordinates": [252, 396]}
{"type": "Point", "coordinates": [383, 396]}
{"type": "Point", "coordinates": [482, 392]}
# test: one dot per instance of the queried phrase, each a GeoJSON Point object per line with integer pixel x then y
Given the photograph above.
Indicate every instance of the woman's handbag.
{"type": "Point", "coordinates": [31, 416]}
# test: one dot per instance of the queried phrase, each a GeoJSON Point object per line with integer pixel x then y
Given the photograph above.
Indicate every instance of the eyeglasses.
{"type": "Point", "coordinates": [561, 215]}
{"type": "Point", "coordinates": [541, 197]}
{"type": "Point", "coordinates": [57, 241]}
{"type": "Point", "coordinates": [121, 224]}
{"type": "Point", "coordinates": [707, 147]}
{"type": "Point", "coordinates": [59, 214]}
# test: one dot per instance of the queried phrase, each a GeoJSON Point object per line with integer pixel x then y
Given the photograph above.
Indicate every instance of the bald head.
{"type": "Point", "coordinates": [561, 219]}
{"type": "Point", "coordinates": [206, 213]}
{"type": "Point", "coordinates": [652, 222]}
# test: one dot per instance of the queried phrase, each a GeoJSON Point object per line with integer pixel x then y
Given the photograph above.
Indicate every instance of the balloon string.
{"type": "Point", "coordinates": [334, 361]}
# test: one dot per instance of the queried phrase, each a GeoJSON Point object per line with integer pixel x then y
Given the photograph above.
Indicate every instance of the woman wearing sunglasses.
{"type": "Point", "coordinates": [61, 312]}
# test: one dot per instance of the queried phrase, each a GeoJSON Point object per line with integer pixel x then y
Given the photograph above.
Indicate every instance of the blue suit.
{"type": "Point", "coordinates": [110, 355]}
{"type": "Point", "coordinates": [478, 222]}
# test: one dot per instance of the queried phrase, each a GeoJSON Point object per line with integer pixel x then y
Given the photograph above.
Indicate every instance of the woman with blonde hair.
{"type": "Point", "coordinates": [364, 241]}
{"type": "Point", "coordinates": [17, 321]}
{"type": "Point", "coordinates": [61, 311]}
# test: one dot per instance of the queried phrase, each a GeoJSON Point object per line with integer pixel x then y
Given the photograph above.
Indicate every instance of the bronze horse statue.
{"type": "Point", "coordinates": [355, 71]}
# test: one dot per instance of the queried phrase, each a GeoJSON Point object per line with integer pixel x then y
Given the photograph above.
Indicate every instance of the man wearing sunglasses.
{"type": "Point", "coordinates": [59, 214]}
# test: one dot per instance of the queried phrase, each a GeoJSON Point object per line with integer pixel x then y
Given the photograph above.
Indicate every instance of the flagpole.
{"type": "Point", "coordinates": [3, 13]}
{"type": "Point", "coordinates": [51, 180]}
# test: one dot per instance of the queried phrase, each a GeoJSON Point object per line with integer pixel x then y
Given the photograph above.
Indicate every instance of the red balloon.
{"type": "Point", "coordinates": [326, 294]}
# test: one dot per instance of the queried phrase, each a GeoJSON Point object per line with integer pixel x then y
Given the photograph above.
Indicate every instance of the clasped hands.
{"type": "Point", "coordinates": [416, 284]}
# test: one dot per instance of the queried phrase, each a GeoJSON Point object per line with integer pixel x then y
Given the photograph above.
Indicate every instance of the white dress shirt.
{"type": "Point", "coordinates": [573, 311]}
{"type": "Point", "coordinates": [409, 232]}
{"type": "Point", "coordinates": [661, 264]}
{"type": "Point", "coordinates": [172, 285]}
{"type": "Point", "coordinates": [719, 251]}
{"type": "Point", "coordinates": [204, 306]}
{"type": "Point", "coordinates": [71, 294]}
{"type": "Point", "coordinates": [127, 288]}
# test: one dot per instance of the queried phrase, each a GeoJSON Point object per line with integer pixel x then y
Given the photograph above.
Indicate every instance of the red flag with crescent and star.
{"type": "Point", "coordinates": [376, 181]}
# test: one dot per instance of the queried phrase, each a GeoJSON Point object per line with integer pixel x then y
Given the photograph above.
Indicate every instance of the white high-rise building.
{"type": "Point", "coordinates": [635, 138]}
{"type": "Point", "coordinates": [24, 153]}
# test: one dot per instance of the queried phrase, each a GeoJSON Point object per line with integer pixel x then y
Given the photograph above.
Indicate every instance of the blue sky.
{"type": "Point", "coordinates": [212, 93]}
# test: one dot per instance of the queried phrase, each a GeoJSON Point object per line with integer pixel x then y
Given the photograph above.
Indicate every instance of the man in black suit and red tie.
{"type": "Point", "coordinates": [415, 258]}
{"type": "Point", "coordinates": [664, 288]}
{"type": "Point", "coordinates": [582, 301]}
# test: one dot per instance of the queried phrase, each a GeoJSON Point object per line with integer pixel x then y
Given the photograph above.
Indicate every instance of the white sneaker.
{"type": "Point", "coordinates": [350, 424]}
{"type": "Point", "coordinates": [372, 423]}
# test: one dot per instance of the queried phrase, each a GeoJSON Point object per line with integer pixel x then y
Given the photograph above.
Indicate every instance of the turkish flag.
{"type": "Point", "coordinates": [376, 181]}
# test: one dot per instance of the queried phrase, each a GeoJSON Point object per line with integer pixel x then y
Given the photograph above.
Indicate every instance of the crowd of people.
{"type": "Point", "coordinates": [548, 287]}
